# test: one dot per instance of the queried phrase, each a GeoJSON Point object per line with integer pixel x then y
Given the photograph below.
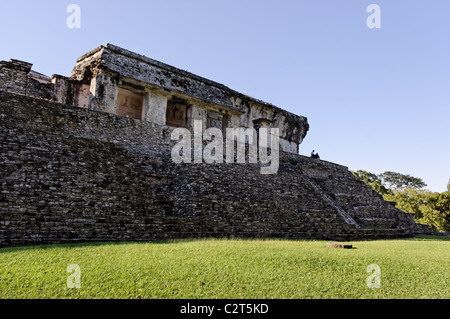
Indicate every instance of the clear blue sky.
{"type": "Point", "coordinates": [376, 99]}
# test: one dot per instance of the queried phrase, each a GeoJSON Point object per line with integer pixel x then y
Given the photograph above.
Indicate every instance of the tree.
{"type": "Point", "coordinates": [428, 208]}
{"type": "Point", "coordinates": [448, 185]}
{"type": "Point", "coordinates": [399, 181]}
{"type": "Point", "coordinates": [365, 176]}
{"type": "Point", "coordinates": [372, 180]}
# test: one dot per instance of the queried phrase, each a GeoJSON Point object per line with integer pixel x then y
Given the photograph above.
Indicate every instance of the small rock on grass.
{"type": "Point", "coordinates": [339, 245]}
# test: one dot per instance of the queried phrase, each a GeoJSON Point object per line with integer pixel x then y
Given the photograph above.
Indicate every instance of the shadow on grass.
{"type": "Point", "coordinates": [98, 244]}
{"type": "Point", "coordinates": [188, 240]}
{"type": "Point", "coordinates": [144, 242]}
{"type": "Point", "coordinates": [431, 238]}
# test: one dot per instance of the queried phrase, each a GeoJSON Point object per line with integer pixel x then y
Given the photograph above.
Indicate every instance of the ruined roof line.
{"type": "Point", "coordinates": [190, 75]}
{"type": "Point", "coordinates": [90, 53]}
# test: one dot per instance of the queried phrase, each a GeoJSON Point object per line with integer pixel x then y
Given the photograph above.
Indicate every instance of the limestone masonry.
{"type": "Point", "coordinates": [88, 158]}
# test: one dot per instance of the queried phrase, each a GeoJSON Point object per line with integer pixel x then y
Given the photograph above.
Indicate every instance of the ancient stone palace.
{"type": "Point", "coordinates": [88, 158]}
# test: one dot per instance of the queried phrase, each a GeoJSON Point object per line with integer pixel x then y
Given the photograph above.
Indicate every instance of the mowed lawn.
{"type": "Point", "coordinates": [229, 269]}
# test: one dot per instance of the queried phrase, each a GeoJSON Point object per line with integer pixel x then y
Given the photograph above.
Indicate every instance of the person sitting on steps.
{"type": "Point", "coordinates": [315, 155]}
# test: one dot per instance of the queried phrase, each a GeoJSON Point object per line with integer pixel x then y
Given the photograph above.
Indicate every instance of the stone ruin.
{"type": "Point", "coordinates": [87, 158]}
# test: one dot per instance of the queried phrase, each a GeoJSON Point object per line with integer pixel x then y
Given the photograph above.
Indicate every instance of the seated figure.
{"type": "Point", "coordinates": [315, 155]}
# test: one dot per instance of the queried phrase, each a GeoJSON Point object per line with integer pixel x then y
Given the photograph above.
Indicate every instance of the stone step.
{"type": "Point", "coordinates": [377, 222]}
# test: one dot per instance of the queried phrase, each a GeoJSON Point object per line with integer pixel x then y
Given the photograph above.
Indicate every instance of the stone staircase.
{"type": "Point", "coordinates": [71, 175]}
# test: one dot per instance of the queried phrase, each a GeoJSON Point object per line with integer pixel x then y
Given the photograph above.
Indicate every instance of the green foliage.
{"type": "Point", "coordinates": [409, 200]}
{"type": "Point", "coordinates": [365, 176]}
{"type": "Point", "coordinates": [388, 182]}
{"type": "Point", "coordinates": [372, 180]}
{"type": "Point", "coordinates": [428, 208]}
{"type": "Point", "coordinates": [400, 181]}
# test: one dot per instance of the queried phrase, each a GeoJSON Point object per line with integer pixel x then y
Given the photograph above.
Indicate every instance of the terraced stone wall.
{"type": "Point", "coordinates": [69, 174]}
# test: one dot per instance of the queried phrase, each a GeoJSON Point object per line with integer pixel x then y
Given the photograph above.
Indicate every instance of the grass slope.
{"type": "Point", "coordinates": [229, 269]}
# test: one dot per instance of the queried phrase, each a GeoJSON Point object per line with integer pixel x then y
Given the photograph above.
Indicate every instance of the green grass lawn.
{"type": "Point", "coordinates": [229, 269]}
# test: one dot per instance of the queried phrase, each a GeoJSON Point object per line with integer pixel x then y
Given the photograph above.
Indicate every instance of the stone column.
{"type": "Point", "coordinates": [61, 89]}
{"type": "Point", "coordinates": [154, 108]}
{"type": "Point", "coordinates": [103, 93]}
{"type": "Point", "coordinates": [234, 120]}
{"type": "Point", "coordinates": [199, 114]}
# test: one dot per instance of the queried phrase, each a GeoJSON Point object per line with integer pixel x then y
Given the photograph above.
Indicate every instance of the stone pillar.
{"type": "Point", "coordinates": [154, 108]}
{"type": "Point", "coordinates": [233, 120]}
{"type": "Point", "coordinates": [83, 95]}
{"type": "Point", "coordinates": [62, 89]}
{"type": "Point", "coordinates": [199, 114]}
{"type": "Point", "coordinates": [103, 93]}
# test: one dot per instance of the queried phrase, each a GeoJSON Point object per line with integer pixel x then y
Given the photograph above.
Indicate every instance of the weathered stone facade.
{"type": "Point", "coordinates": [82, 170]}
{"type": "Point", "coordinates": [110, 79]}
